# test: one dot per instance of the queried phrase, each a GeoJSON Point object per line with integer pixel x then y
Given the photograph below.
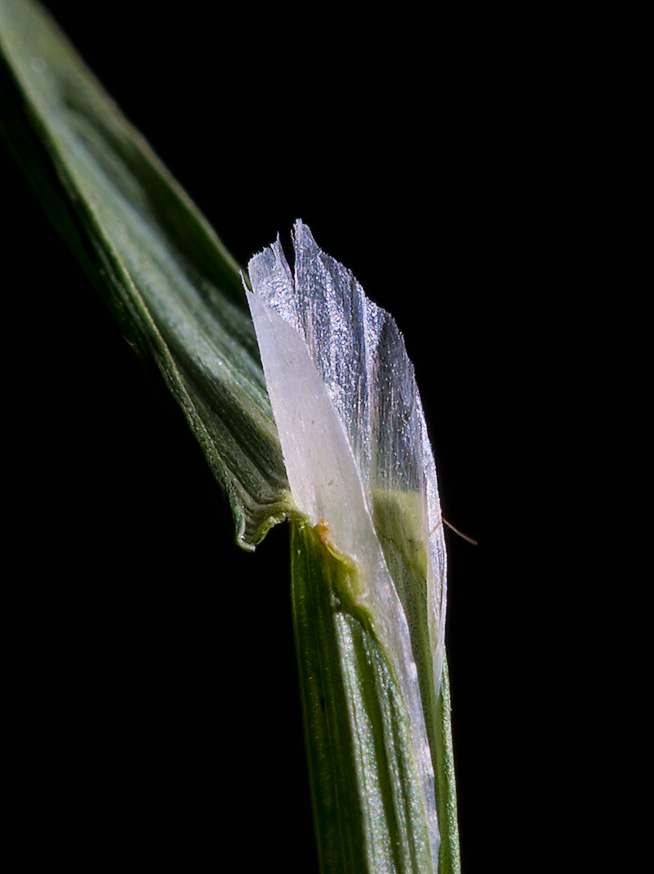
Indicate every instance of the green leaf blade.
{"type": "Point", "coordinates": [175, 290]}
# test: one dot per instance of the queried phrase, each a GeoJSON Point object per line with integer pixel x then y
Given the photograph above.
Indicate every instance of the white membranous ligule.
{"type": "Point", "coordinates": [354, 438]}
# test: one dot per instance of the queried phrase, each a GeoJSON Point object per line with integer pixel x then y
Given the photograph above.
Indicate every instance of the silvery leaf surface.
{"type": "Point", "coordinates": [358, 459]}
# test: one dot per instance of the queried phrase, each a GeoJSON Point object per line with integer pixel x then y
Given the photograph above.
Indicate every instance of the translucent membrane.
{"type": "Point", "coordinates": [354, 438]}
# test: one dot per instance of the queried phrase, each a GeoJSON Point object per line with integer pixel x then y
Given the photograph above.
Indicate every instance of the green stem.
{"type": "Point", "coordinates": [368, 807]}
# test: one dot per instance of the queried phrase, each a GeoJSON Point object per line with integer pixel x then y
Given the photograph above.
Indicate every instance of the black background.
{"type": "Point", "coordinates": [162, 687]}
